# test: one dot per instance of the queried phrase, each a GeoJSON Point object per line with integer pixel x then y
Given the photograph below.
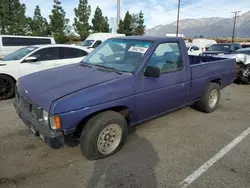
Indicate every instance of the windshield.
{"type": "Point", "coordinates": [219, 48]}
{"type": "Point", "coordinates": [19, 54]}
{"type": "Point", "coordinates": [242, 51]}
{"type": "Point", "coordinates": [87, 43]}
{"type": "Point", "coordinates": [123, 55]}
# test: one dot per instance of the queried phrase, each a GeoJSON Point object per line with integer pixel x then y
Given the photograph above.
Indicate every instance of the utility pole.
{"type": "Point", "coordinates": [235, 17]}
{"type": "Point", "coordinates": [118, 14]}
{"type": "Point", "coordinates": [178, 18]}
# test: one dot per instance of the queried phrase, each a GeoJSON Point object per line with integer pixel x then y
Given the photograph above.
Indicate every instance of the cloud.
{"type": "Point", "coordinates": [156, 12]}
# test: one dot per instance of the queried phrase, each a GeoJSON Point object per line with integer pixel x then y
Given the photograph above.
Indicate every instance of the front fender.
{"type": "Point", "coordinates": [70, 120]}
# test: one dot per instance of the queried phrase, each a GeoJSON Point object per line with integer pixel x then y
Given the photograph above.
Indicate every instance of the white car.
{"type": "Point", "coordinates": [32, 59]}
{"type": "Point", "coordinates": [195, 50]}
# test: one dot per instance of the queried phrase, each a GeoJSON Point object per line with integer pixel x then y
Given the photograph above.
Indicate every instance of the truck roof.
{"type": "Point", "coordinates": [150, 38]}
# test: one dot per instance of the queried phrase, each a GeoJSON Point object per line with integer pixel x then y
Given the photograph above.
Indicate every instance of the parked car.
{"type": "Point", "coordinates": [242, 57]}
{"type": "Point", "coordinates": [221, 49]}
{"type": "Point", "coordinates": [199, 45]}
{"type": "Point", "coordinates": [33, 59]}
{"type": "Point", "coordinates": [11, 43]}
{"type": "Point", "coordinates": [111, 91]}
{"type": "Point", "coordinates": [195, 50]}
{"type": "Point", "coordinates": [95, 39]}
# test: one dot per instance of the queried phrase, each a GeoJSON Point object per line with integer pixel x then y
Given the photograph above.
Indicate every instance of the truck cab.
{"type": "Point", "coordinates": [124, 82]}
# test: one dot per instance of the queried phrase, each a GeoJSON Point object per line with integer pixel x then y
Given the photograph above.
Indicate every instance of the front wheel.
{"type": "Point", "coordinates": [103, 135]}
{"type": "Point", "coordinates": [210, 99]}
{"type": "Point", "coordinates": [7, 87]}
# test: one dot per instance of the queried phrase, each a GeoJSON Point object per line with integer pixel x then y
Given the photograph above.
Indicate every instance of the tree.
{"type": "Point", "coordinates": [140, 27]}
{"type": "Point", "coordinates": [12, 17]}
{"type": "Point", "coordinates": [81, 21]}
{"type": "Point", "coordinates": [39, 25]}
{"type": "Point", "coordinates": [100, 23]}
{"type": "Point", "coordinates": [58, 22]}
{"type": "Point", "coordinates": [106, 28]}
{"type": "Point", "coordinates": [127, 24]}
{"type": "Point", "coordinates": [134, 23]}
{"type": "Point", "coordinates": [120, 27]}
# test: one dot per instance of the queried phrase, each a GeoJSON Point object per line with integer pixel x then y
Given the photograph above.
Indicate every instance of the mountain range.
{"type": "Point", "coordinates": [206, 27]}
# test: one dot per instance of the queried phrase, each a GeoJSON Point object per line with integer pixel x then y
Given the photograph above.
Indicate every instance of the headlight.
{"type": "Point", "coordinates": [55, 122]}
{"type": "Point", "coordinates": [45, 116]}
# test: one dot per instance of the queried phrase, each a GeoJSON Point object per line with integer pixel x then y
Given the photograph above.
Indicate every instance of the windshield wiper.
{"type": "Point", "coordinates": [110, 68]}
{"type": "Point", "coordinates": [85, 65]}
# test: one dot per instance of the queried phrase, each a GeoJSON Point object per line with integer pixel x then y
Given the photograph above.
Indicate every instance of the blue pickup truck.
{"type": "Point", "coordinates": [124, 82]}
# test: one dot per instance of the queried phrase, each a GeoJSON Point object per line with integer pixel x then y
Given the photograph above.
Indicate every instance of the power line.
{"type": "Point", "coordinates": [235, 17]}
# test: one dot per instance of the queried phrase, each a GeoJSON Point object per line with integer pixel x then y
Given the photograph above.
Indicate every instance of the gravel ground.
{"type": "Point", "coordinates": [160, 153]}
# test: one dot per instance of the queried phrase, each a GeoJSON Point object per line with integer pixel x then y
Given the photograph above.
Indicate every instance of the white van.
{"type": "Point", "coordinates": [95, 39]}
{"type": "Point", "coordinates": [11, 43]}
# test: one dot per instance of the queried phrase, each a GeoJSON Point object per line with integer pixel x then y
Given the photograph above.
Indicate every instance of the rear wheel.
{"type": "Point", "coordinates": [103, 135]}
{"type": "Point", "coordinates": [210, 99]}
{"type": "Point", "coordinates": [7, 87]}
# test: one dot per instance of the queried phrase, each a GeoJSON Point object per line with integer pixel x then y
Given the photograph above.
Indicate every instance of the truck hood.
{"type": "Point", "coordinates": [42, 88]}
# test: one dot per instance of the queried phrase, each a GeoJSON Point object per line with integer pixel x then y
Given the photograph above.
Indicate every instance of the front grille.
{"type": "Point", "coordinates": [31, 108]}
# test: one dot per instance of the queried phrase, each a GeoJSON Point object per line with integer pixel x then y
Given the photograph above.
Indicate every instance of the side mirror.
{"type": "Point", "coordinates": [30, 59]}
{"type": "Point", "coordinates": [152, 72]}
{"type": "Point", "coordinates": [191, 49]}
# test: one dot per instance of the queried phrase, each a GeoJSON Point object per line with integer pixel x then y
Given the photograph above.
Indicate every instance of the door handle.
{"type": "Point", "coordinates": [181, 80]}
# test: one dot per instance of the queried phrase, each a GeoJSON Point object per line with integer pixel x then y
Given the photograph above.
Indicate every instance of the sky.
{"type": "Point", "coordinates": [156, 12]}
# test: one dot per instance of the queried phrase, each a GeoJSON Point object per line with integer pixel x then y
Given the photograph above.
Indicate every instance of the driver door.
{"type": "Point", "coordinates": [46, 58]}
{"type": "Point", "coordinates": [170, 91]}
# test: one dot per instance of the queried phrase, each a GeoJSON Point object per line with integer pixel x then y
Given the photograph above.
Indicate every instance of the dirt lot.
{"type": "Point", "coordinates": [160, 153]}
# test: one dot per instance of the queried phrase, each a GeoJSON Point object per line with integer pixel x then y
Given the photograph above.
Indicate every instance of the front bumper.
{"type": "Point", "coordinates": [52, 138]}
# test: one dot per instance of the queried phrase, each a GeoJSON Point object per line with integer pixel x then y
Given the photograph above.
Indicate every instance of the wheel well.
{"type": "Point", "coordinates": [123, 110]}
{"type": "Point", "coordinates": [218, 81]}
{"type": "Point", "coordinates": [8, 76]}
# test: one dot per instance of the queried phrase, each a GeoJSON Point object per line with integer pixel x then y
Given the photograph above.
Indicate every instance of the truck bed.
{"type": "Point", "coordinates": [205, 69]}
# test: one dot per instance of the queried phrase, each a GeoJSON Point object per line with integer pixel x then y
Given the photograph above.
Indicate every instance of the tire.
{"type": "Point", "coordinates": [90, 142]}
{"type": "Point", "coordinates": [204, 104]}
{"type": "Point", "coordinates": [7, 87]}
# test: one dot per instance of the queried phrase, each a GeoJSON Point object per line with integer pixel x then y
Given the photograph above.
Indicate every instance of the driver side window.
{"type": "Point", "coordinates": [46, 54]}
{"type": "Point", "coordinates": [167, 57]}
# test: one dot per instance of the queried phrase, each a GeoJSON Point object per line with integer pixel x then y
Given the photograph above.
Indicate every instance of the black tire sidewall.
{"type": "Point", "coordinates": [12, 82]}
{"type": "Point", "coordinates": [92, 130]}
